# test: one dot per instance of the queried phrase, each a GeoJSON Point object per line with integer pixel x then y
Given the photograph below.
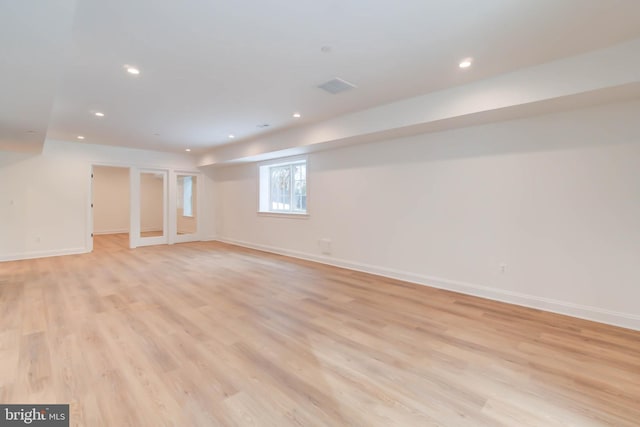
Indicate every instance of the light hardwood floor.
{"type": "Point", "coordinates": [207, 334]}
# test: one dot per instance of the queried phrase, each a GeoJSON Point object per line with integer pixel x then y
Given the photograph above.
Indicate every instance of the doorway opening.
{"type": "Point", "coordinates": [151, 204]}
{"type": "Point", "coordinates": [111, 207]}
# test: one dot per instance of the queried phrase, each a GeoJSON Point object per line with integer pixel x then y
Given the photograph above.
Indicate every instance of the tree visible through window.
{"type": "Point", "coordinates": [285, 189]}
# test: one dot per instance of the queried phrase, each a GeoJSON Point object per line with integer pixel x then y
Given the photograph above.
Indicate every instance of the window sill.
{"type": "Point", "coordinates": [284, 215]}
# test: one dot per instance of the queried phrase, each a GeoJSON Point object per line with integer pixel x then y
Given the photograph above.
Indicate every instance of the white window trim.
{"type": "Point", "coordinates": [277, 162]}
{"type": "Point", "coordinates": [284, 214]}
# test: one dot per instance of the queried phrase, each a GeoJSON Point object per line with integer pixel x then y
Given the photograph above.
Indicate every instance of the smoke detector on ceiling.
{"type": "Point", "coordinates": [336, 85]}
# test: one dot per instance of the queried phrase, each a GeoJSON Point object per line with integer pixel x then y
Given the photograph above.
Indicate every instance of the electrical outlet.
{"type": "Point", "coordinates": [325, 246]}
{"type": "Point", "coordinates": [503, 268]}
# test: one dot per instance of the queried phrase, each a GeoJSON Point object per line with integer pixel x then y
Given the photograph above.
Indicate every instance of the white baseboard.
{"type": "Point", "coordinates": [124, 230]}
{"type": "Point", "coordinates": [42, 254]}
{"type": "Point", "coordinates": [210, 238]}
{"type": "Point", "coordinates": [625, 320]}
{"type": "Point", "coordinates": [116, 231]}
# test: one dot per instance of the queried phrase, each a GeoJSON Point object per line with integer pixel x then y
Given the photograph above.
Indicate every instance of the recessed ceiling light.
{"type": "Point", "coordinates": [296, 115]}
{"type": "Point", "coordinates": [80, 137]}
{"type": "Point", "coordinates": [132, 70]}
{"type": "Point", "coordinates": [232, 136]}
{"type": "Point", "coordinates": [187, 149]}
{"type": "Point", "coordinates": [465, 63]}
{"type": "Point", "coordinates": [98, 114]}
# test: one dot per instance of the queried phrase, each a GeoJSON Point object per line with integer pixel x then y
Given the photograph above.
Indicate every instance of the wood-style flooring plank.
{"type": "Point", "coordinates": [209, 334]}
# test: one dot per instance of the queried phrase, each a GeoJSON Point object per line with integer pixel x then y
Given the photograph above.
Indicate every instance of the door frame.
{"type": "Point", "coordinates": [135, 239]}
{"type": "Point", "coordinates": [90, 207]}
{"type": "Point", "coordinates": [170, 194]}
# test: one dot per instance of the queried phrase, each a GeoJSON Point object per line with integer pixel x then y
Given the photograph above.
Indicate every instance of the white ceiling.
{"type": "Point", "coordinates": [211, 68]}
{"type": "Point", "coordinates": [33, 41]}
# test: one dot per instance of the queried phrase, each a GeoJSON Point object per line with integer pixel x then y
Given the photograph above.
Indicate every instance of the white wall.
{"type": "Point", "coordinates": [110, 200]}
{"type": "Point", "coordinates": [44, 198]}
{"type": "Point", "coordinates": [556, 198]}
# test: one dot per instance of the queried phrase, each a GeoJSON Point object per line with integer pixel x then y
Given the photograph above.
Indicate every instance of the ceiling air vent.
{"type": "Point", "coordinates": [336, 86]}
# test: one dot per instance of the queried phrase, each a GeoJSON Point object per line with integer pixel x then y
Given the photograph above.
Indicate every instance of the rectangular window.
{"type": "Point", "coordinates": [283, 187]}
